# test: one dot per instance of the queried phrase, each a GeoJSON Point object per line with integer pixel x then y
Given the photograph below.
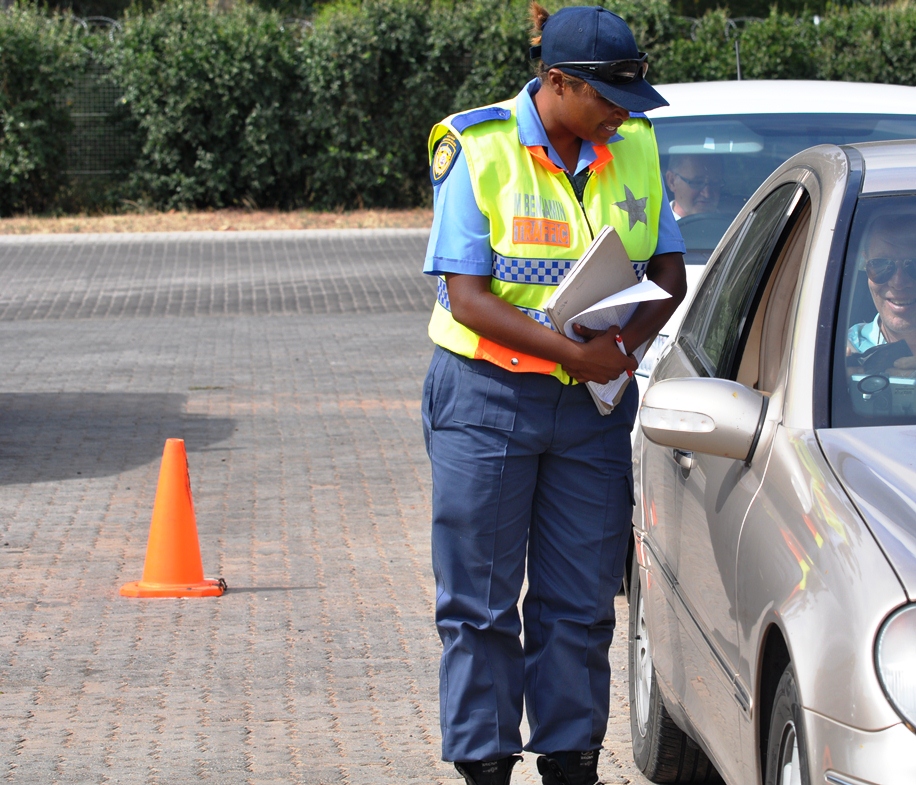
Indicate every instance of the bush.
{"type": "Point", "coordinates": [219, 99]}
{"type": "Point", "coordinates": [779, 47]}
{"type": "Point", "coordinates": [483, 48]}
{"type": "Point", "coordinates": [238, 107]}
{"type": "Point", "coordinates": [383, 71]}
{"type": "Point", "coordinates": [700, 51]}
{"type": "Point", "coordinates": [369, 70]}
{"type": "Point", "coordinates": [869, 44]}
{"type": "Point", "coordinates": [39, 56]}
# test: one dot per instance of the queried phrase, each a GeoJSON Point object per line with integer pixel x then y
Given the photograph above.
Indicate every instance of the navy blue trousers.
{"type": "Point", "coordinates": [524, 469]}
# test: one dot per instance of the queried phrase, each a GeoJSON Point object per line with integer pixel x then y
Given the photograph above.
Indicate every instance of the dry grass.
{"type": "Point", "coordinates": [218, 220]}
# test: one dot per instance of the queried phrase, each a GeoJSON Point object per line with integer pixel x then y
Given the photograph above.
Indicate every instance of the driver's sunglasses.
{"type": "Point", "coordinates": [699, 183]}
{"type": "Point", "coordinates": [881, 270]}
{"type": "Point", "coordinates": [611, 71]}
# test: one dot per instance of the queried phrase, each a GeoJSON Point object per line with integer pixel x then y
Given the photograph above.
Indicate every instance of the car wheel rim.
{"type": "Point", "coordinates": [789, 767]}
{"type": "Point", "coordinates": [643, 663]}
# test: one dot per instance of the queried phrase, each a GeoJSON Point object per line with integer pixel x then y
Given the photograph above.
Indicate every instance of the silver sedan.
{"type": "Point", "coordinates": [773, 589]}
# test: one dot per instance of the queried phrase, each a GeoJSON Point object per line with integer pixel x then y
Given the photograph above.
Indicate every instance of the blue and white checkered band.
{"type": "Point", "coordinates": [442, 294]}
{"type": "Point", "coordinates": [546, 271]}
{"type": "Point", "coordinates": [557, 269]}
{"type": "Point", "coordinates": [539, 316]}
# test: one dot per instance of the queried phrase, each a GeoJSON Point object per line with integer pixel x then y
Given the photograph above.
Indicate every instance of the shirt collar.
{"type": "Point", "coordinates": [531, 131]}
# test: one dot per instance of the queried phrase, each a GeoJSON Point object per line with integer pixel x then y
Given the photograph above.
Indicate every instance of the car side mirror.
{"type": "Point", "coordinates": [712, 416]}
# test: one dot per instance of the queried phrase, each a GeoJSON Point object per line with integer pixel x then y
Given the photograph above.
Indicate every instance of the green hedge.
{"type": "Point", "coordinates": [242, 107]}
{"type": "Point", "coordinates": [39, 56]}
{"type": "Point", "coordinates": [219, 101]}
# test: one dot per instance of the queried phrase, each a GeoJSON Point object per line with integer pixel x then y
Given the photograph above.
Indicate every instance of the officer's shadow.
{"type": "Point", "coordinates": [59, 436]}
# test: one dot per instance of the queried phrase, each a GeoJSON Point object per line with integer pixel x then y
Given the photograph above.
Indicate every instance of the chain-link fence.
{"type": "Point", "coordinates": [102, 142]}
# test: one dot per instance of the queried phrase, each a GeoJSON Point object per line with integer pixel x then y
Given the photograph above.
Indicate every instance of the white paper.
{"type": "Point", "coordinates": [616, 309]}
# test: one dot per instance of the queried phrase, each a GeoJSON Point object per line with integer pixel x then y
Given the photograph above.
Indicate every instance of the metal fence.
{"type": "Point", "coordinates": [101, 142]}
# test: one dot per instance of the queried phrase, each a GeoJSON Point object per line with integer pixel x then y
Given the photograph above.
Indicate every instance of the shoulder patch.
{"type": "Point", "coordinates": [446, 152]}
{"type": "Point", "coordinates": [477, 116]}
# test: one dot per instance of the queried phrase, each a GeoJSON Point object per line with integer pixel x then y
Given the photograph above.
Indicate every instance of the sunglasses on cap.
{"type": "Point", "coordinates": [611, 71]}
{"type": "Point", "coordinates": [881, 270]}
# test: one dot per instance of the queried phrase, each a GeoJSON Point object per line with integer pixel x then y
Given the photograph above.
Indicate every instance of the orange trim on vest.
{"type": "Point", "coordinates": [500, 355]}
{"type": "Point", "coordinates": [604, 157]}
{"type": "Point", "coordinates": [540, 154]}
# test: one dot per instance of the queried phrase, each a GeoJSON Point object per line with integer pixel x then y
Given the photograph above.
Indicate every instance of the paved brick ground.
{"type": "Point", "coordinates": [291, 364]}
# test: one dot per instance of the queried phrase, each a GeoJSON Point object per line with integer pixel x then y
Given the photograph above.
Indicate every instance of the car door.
{"type": "Point", "coordinates": [705, 498]}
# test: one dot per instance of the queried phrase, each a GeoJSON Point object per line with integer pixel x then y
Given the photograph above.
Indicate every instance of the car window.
{"type": "Point", "coordinates": [714, 327]}
{"type": "Point", "coordinates": [736, 153]}
{"type": "Point", "coordinates": [874, 379]}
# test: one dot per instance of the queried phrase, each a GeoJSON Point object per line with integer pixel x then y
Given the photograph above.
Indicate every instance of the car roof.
{"type": "Point", "coordinates": [779, 96]}
{"type": "Point", "coordinates": [889, 166]}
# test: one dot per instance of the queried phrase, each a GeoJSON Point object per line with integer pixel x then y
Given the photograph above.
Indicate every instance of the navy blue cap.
{"type": "Point", "coordinates": [579, 33]}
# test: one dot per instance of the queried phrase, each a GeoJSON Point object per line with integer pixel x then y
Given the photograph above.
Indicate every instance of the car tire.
{"type": "Point", "coordinates": [661, 750]}
{"type": "Point", "coordinates": [787, 748]}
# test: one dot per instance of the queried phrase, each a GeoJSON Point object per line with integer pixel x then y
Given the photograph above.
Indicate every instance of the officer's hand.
{"type": "Point", "coordinates": [600, 359]}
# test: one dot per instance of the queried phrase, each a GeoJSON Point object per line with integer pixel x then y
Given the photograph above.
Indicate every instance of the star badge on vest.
{"type": "Point", "coordinates": [446, 152]}
{"type": "Point", "coordinates": [634, 208]}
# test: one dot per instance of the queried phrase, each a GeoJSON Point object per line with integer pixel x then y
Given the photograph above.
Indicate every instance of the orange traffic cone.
{"type": "Point", "coordinates": [173, 566]}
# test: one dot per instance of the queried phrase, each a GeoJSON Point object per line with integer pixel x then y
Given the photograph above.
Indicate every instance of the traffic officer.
{"type": "Point", "coordinates": [524, 467]}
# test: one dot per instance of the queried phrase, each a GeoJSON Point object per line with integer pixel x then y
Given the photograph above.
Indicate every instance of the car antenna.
{"type": "Point", "coordinates": [732, 28]}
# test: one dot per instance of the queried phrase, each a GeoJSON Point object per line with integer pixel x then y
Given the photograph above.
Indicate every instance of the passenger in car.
{"type": "Point", "coordinates": [890, 265]}
{"type": "Point", "coordinates": [695, 182]}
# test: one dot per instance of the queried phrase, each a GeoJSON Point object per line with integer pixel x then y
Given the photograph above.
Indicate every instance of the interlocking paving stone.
{"type": "Point", "coordinates": [291, 364]}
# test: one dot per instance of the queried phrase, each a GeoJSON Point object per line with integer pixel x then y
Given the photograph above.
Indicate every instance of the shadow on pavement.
{"type": "Point", "coordinates": [58, 436]}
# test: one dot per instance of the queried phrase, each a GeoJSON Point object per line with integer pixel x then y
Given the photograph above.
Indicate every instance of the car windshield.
{"type": "Point", "coordinates": [712, 164]}
{"type": "Point", "coordinates": [874, 362]}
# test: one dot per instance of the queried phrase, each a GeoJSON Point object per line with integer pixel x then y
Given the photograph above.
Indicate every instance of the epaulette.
{"type": "Point", "coordinates": [477, 116]}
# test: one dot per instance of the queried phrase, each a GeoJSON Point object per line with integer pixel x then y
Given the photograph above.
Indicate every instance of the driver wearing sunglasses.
{"type": "Point", "coordinates": [890, 265]}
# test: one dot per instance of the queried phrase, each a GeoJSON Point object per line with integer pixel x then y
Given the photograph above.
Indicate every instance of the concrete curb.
{"type": "Point", "coordinates": [208, 236]}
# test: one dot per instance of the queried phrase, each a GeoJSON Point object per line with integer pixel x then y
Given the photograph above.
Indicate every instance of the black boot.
{"type": "Point", "coordinates": [569, 768]}
{"type": "Point", "coordinates": [488, 772]}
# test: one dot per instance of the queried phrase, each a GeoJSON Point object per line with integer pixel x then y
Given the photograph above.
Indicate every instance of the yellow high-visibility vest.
{"type": "Point", "coordinates": [538, 228]}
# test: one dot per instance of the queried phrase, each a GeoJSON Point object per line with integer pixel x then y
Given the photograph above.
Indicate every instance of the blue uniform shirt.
{"type": "Point", "coordinates": [459, 241]}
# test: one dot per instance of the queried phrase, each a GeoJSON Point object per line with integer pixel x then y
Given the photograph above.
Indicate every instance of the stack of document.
{"type": "Point", "coordinates": [602, 290]}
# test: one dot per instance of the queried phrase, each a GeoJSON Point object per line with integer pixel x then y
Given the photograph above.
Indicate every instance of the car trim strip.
{"type": "Point", "coordinates": [842, 779]}
{"type": "Point", "coordinates": [833, 278]}
{"type": "Point", "coordinates": [741, 694]}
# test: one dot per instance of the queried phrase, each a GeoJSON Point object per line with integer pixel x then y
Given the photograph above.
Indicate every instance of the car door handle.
{"type": "Point", "coordinates": [683, 458]}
